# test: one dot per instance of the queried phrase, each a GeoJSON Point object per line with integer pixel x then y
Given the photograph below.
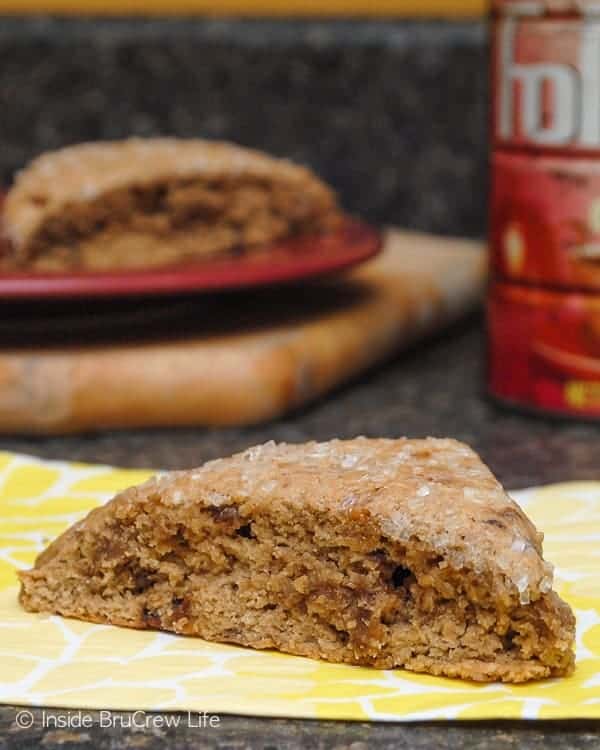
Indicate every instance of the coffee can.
{"type": "Point", "coordinates": [545, 349]}
{"type": "Point", "coordinates": [544, 299]}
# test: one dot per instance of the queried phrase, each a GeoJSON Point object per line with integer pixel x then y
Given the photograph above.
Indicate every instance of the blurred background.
{"type": "Point", "coordinates": [387, 99]}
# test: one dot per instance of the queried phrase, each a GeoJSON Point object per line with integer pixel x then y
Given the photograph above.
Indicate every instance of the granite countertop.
{"type": "Point", "coordinates": [436, 389]}
{"type": "Point", "coordinates": [386, 111]}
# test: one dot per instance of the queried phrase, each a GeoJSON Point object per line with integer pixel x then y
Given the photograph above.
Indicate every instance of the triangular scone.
{"type": "Point", "coordinates": [389, 553]}
{"type": "Point", "coordinates": [147, 202]}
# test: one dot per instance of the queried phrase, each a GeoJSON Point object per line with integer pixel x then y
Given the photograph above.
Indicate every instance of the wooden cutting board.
{"type": "Point", "coordinates": [227, 359]}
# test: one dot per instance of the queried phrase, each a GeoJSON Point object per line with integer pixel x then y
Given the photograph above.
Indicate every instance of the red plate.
{"type": "Point", "coordinates": [293, 260]}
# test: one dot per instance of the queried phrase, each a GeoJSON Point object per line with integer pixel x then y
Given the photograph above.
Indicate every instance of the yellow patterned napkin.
{"type": "Point", "coordinates": [53, 661]}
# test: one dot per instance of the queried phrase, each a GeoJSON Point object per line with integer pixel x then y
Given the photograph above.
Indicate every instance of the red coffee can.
{"type": "Point", "coordinates": [544, 305]}
{"type": "Point", "coordinates": [546, 77]}
{"type": "Point", "coordinates": [545, 220]}
{"type": "Point", "coordinates": [545, 349]}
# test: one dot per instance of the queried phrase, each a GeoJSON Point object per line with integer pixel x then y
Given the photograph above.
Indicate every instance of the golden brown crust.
{"type": "Point", "coordinates": [153, 201]}
{"type": "Point", "coordinates": [379, 552]}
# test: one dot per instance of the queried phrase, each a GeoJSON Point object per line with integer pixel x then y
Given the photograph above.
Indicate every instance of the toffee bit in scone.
{"type": "Point", "coordinates": [149, 202]}
{"type": "Point", "coordinates": [332, 551]}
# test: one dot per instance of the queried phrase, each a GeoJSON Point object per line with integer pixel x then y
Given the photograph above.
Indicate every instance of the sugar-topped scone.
{"type": "Point", "coordinates": [386, 553]}
{"type": "Point", "coordinates": [148, 202]}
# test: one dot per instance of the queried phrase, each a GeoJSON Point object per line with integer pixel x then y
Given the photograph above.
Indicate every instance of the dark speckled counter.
{"type": "Point", "coordinates": [393, 114]}
{"type": "Point", "coordinates": [385, 111]}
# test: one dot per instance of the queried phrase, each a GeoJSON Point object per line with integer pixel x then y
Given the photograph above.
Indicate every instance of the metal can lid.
{"type": "Point", "coordinates": [546, 7]}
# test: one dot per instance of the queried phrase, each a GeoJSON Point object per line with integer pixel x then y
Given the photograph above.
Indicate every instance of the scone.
{"type": "Point", "coordinates": [148, 202]}
{"type": "Point", "coordinates": [386, 553]}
